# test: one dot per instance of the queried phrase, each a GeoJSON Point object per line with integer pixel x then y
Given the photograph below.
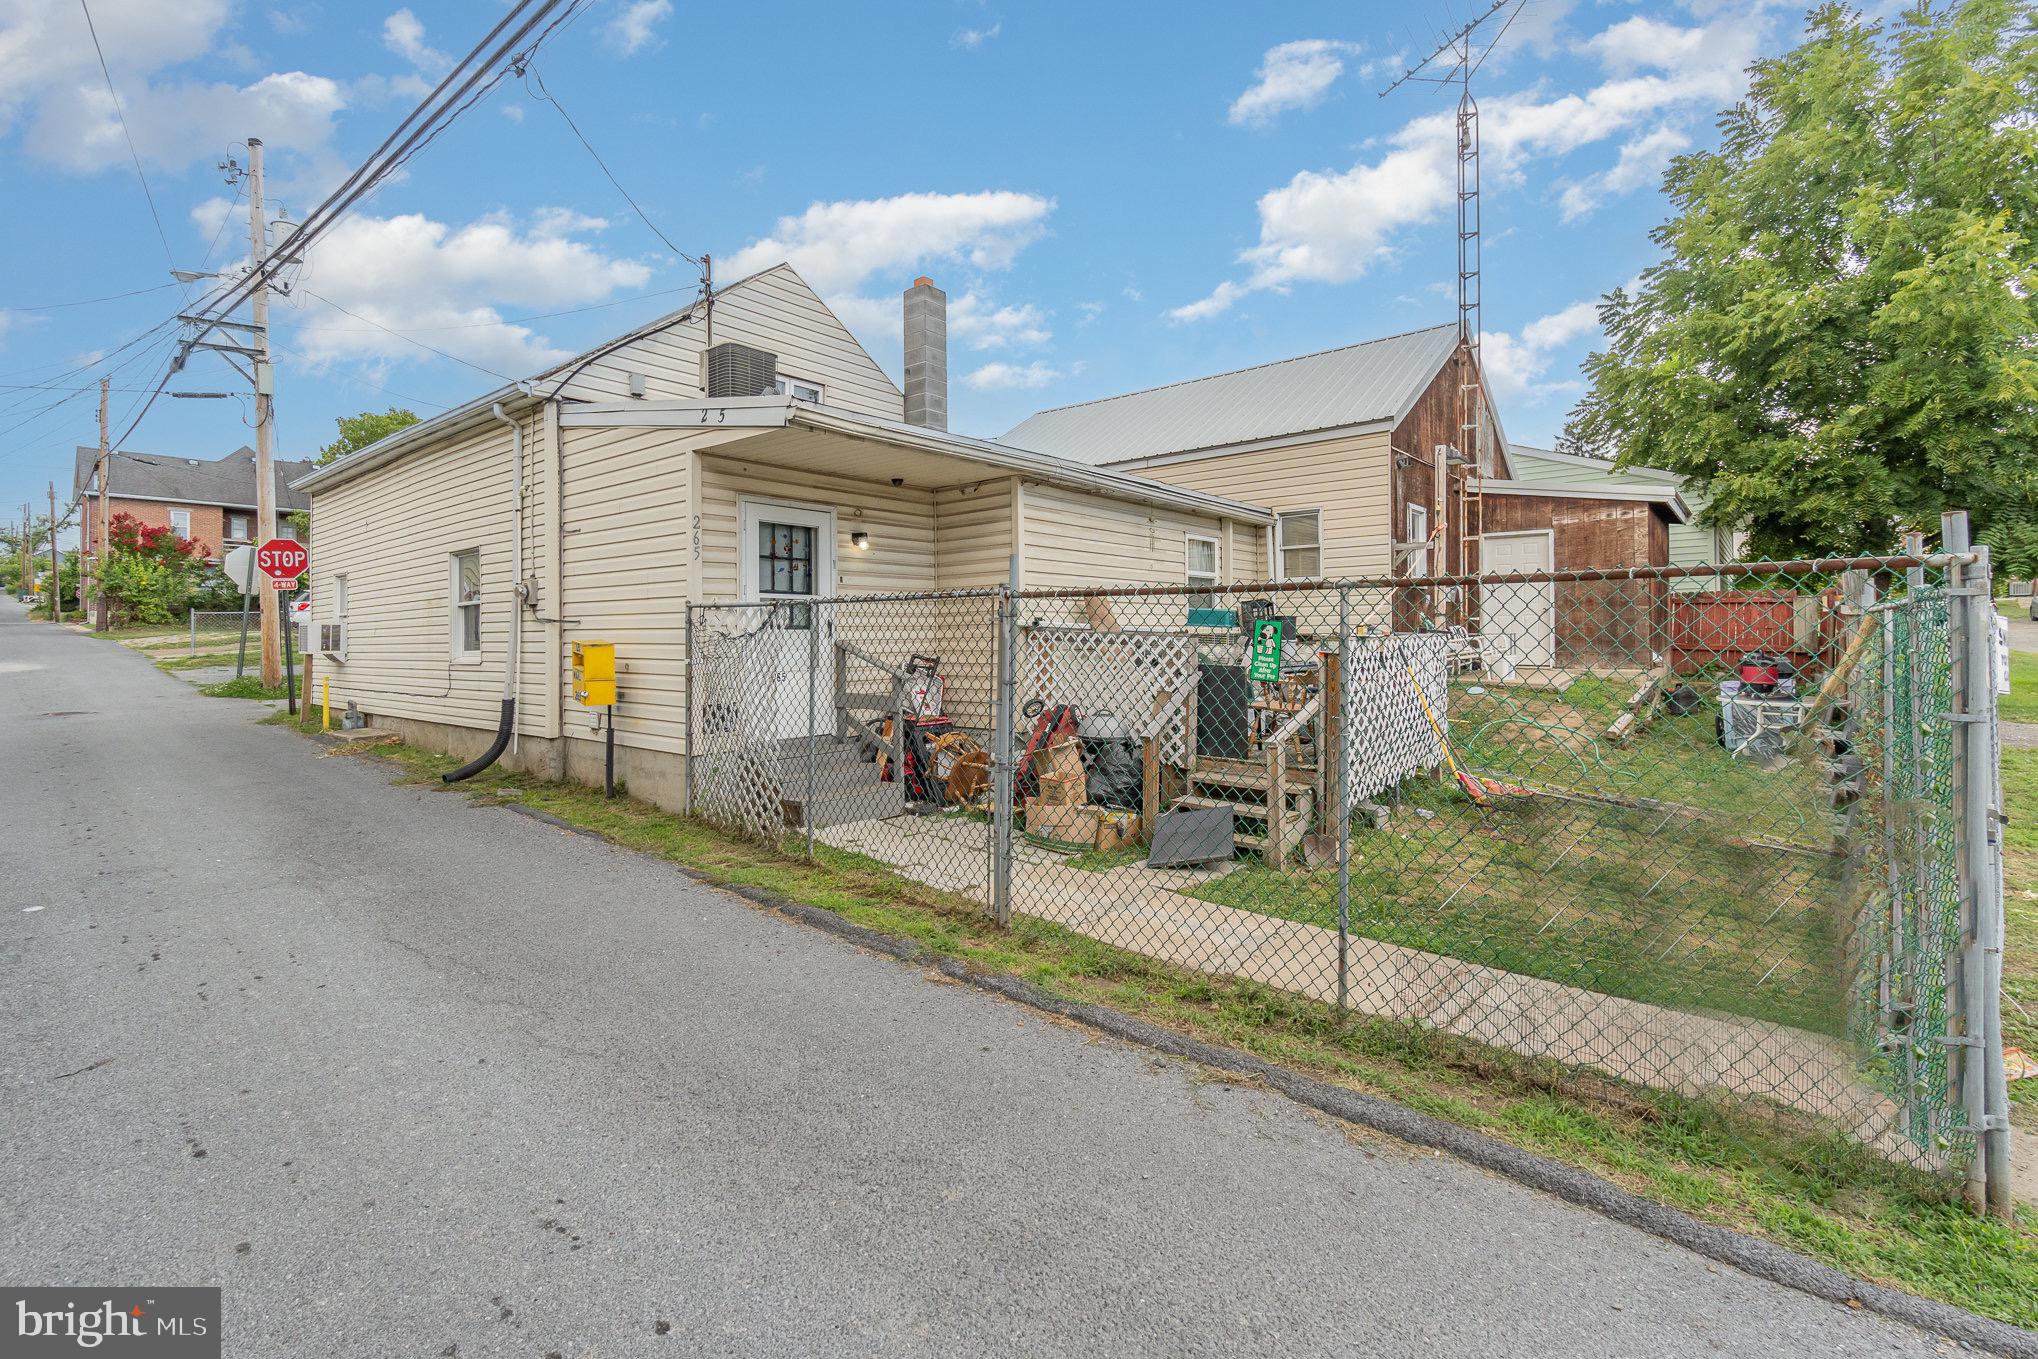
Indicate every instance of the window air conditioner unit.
{"type": "Point", "coordinates": [332, 640]}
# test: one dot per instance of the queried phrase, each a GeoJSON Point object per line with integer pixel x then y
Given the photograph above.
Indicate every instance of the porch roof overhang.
{"type": "Point", "coordinates": [1664, 497]}
{"type": "Point", "coordinates": [826, 439]}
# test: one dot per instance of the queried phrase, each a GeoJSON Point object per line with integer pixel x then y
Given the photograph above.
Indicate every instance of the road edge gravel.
{"type": "Point", "coordinates": [1752, 1255]}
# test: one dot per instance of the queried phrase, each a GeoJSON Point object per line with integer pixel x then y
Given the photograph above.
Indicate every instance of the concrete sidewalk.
{"type": "Point", "coordinates": [1146, 910]}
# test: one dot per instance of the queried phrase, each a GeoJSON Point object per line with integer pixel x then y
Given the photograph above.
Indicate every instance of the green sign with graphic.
{"type": "Point", "coordinates": [1266, 656]}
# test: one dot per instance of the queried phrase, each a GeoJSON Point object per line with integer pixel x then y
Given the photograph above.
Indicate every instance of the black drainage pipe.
{"type": "Point", "coordinates": [495, 747]}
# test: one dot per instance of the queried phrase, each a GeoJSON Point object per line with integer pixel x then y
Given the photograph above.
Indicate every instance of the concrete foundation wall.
{"type": "Point", "coordinates": [654, 776]}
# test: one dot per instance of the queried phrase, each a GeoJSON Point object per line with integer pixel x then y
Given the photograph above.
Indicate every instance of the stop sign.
{"type": "Point", "coordinates": [282, 561]}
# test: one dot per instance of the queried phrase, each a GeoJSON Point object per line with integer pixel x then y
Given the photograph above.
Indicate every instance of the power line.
{"type": "Point", "coordinates": [90, 301]}
{"type": "Point", "coordinates": [534, 316]}
{"type": "Point", "coordinates": [542, 93]}
{"type": "Point", "coordinates": [127, 136]}
{"type": "Point", "coordinates": [407, 339]}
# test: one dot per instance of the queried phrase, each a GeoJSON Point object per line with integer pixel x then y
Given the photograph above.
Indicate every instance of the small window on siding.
{"type": "Point", "coordinates": [1298, 537]}
{"type": "Point", "coordinates": [465, 574]}
{"type": "Point", "coordinates": [237, 528]}
{"type": "Point", "coordinates": [180, 523]}
{"type": "Point", "coordinates": [799, 388]}
{"type": "Point", "coordinates": [1418, 540]}
{"type": "Point", "coordinates": [1202, 569]}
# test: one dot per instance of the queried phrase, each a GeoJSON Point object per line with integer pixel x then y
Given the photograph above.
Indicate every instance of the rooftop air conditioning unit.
{"type": "Point", "coordinates": [739, 370]}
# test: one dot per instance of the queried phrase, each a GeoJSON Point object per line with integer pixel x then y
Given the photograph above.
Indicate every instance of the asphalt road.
{"type": "Point", "coordinates": [409, 1077]}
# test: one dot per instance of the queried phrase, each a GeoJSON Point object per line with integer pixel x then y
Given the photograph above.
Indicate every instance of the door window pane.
{"type": "Point", "coordinates": [785, 558]}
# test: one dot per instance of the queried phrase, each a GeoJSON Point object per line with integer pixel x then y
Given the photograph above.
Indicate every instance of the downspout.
{"type": "Point", "coordinates": [506, 724]}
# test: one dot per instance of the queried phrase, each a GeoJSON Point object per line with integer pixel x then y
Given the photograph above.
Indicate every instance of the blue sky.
{"type": "Point", "coordinates": [1114, 196]}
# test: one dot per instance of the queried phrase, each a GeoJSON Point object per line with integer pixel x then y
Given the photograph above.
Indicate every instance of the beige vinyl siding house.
{"type": "Point", "coordinates": [631, 507]}
{"type": "Point", "coordinates": [1340, 445]}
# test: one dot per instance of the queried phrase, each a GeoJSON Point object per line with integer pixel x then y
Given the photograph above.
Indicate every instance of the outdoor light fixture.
{"type": "Point", "coordinates": [1457, 459]}
{"type": "Point", "coordinates": [860, 541]}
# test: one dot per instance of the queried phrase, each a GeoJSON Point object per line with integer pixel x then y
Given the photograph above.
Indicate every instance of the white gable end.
{"type": "Point", "coordinates": [773, 310]}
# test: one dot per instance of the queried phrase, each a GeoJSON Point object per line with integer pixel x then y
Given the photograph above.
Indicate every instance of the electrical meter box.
{"type": "Point", "coordinates": [594, 673]}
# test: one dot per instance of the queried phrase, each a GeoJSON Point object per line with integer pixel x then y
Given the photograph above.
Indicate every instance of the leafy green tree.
{"type": "Point", "coordinates": [1842, 338]}
{"type": "Point", "coordinates": [359, 431]}
{"type": "Point", "coordinates": [356, 432]}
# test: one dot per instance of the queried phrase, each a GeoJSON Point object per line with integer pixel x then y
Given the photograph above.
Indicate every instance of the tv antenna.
{"type": "Point", "coordinates": [1454, 61]}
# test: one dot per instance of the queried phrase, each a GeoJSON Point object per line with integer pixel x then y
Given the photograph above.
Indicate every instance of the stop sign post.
{"type": "Point", "coordinates": [282, 561]}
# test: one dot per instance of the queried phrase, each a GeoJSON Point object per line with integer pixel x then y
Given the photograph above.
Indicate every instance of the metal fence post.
{"type": "Point", "coordinates": [1342, 799]}
{"type": "Point", "coordinates": [691, 659]}
{"type": "Point", "coordinates": [1973, 662]}
{"type": "Point", "coordinates": [813, 702]}
{"type": "Point", "coordinates": [1003, 768]}
{"type": "Point", "coordinates": [192, 615]}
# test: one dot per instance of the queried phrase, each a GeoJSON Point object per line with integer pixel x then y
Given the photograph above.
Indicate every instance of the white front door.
{"type": "Point", "coordinates": [786, 556]}
{"type": "Point", "coordinates": [1518, 619]}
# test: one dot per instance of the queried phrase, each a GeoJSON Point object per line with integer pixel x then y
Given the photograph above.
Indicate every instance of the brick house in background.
{"type": "Point", "coordinates": [210, 502]}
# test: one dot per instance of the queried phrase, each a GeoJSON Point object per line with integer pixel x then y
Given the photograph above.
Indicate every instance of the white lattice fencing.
{"type": "Point", "coordinates": [1136, 676]}
{"type": "Point", "coordinates": [1388, 735]}
{"type": "Point", "coordinates": [744, 660]}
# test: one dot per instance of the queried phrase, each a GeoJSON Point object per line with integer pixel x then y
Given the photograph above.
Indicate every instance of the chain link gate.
{"type": "Point", "coordinates": [1697, 828]}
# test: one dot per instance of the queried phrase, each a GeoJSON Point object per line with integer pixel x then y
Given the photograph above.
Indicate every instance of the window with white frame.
{"type": "Point", "coordinates": [465, 624]}
{"type": "Point", "coordinates": [798, 388]}
{"type": "Point", "coordinates": [1418, 540]}
{"type": "Point", "coordinates": [180, 523]}
{"type": "Point", "coordinates": [332, 634]}
{"type": "Point", "coordinates": [1202, 569]}
{"type": "Point", "coordinates": [237, 528]}
{"type": "Point", "coordinates": [1298, 544]}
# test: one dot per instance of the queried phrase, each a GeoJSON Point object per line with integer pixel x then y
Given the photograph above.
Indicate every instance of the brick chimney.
{"type": "Point", "coordinates": [926, 355]}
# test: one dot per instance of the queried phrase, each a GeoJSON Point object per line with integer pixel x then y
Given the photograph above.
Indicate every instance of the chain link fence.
{"type": "Point", "coordinates": [1701, 829]}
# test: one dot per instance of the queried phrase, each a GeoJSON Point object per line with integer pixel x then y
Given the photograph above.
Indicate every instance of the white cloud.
{"type": "Point", "coordinates": [840, 247]}
{"type": "Point", "coordinates": [51, 86]}
{"type": "Point", "coordinates": [1294, 75]}
{"type": "Point", "coordinates": [513, 112]}
{"type": "Point", "coordinates": [1515, 364]}
{"type": "Point", "coordinates": [1334, 226]}
{"type": "Point", "coordinates": [1090, 310]}
{"type": "Point", "coordinates": [1642, 161]}
{"type": "Point", "coordinates": [996, 377]}
{"type": "Point", "coordinates": [1220, 299]}
{"type": "Point", "coordinates": [837, 246]}
{"type": "Point", "coordinates": [210, 216]}
{"type": "Point", "coordinates": [404, 35]}
{"type": "Point", "coordinates": [177, 125]}
{"type": "Point", "coordinates": [446, 283]}
{"type": "Point", "coordinates": [635, 26]}
{"type": "Point", "coordinates": [974, 38]}
{"type": "Point", "coordinates": [977, 323]}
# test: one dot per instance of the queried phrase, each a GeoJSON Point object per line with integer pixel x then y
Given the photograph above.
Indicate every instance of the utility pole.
{"type": "Point", "coordinates": [265, 416]}
{"type": "Point", "coordinates": [56, 581]}
{"type": "Point", "coordinates": [27, 552]}
{"type": "Point", "coordinates": [99, 560]}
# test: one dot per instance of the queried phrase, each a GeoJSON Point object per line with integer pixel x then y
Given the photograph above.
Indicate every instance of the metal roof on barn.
{"type": "Point", "coordinates": [1357, 385]}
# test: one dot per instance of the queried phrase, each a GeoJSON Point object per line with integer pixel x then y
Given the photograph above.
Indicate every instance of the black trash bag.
{"type": "Point", "coordinates": [1112, 759]}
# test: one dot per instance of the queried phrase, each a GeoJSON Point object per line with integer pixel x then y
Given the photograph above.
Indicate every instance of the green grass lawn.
{"type": "Point", "coordinates": [2020, 902]}
{"type": "Point", "coordinates": [1661, 869]}
{"type": "Point", "coordinates": [247, 686]}
{"type": "Point", "coordinates": [1807, 1187]}
{"type": "Point", "coordinates": [2021, 703]}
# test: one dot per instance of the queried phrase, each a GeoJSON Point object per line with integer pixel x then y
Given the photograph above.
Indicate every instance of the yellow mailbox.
{"type": "Point", "coordinates": [594, 673]}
